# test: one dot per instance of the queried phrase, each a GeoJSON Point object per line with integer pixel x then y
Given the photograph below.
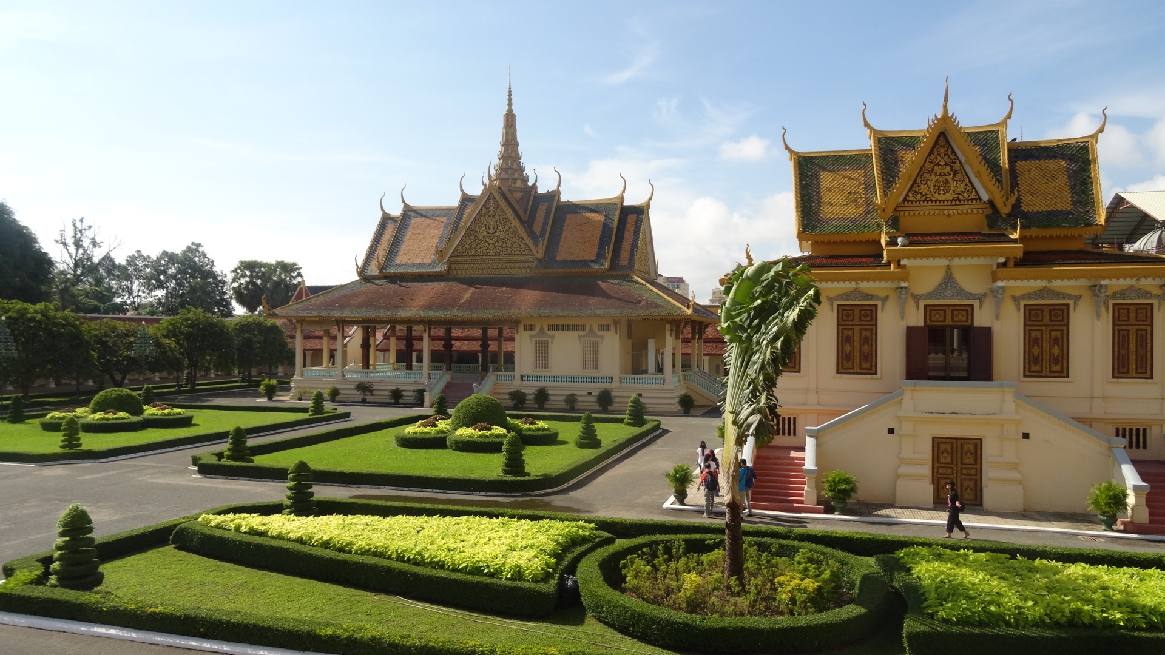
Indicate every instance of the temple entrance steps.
{"type": "Point", "coordinates": [780, 484]}
{"type": "Point", "coordinates": [1153, 474]}
{"type": "Point", "coordinates": [459, 387]}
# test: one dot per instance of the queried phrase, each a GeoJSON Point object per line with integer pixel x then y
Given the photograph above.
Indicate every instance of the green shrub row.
{"type": "Point", "coordinates": [600, 582]}
{"type": "Point", "coordinates": [475, 444]}
{"type": "Point", "coordinates": [426, 441]}
{"type": "Point", "coordinates": [212, 464]}
{"type": "Point", "coordinates": [162, 444]}
{"type": "Point", "coordinates": [547, 438]}
{"type": "Point", "coordinates": [473, 592]}
{"type": "Point", "coordinates": [925, 635]}
{"type": "Point", "coordinates": [131, 424]}
{"type": "Point", "coordinates": [288, 409]}
{"type": "Point", "coordinates": [83, 400]}
{"type": "Point", "coordinates": [180, 421]}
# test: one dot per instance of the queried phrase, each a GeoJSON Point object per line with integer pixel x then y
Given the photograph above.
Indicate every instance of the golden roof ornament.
{"type": "Point", "coordinates": [403, 204]}
{"type": "Point", "coordinates": [383, 214]}
{"type": "Point", "coordinates": [509, 170]}
{"type": "Point", "coordinates": [747, 254]}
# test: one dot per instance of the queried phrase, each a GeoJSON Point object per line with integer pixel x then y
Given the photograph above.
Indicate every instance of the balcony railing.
{"type": "Point", "coordinates": [362, 374]}
{"type": "Point", "coordinates": [568, 379]}
{"type": "Point", "coordinates": [642, 380]}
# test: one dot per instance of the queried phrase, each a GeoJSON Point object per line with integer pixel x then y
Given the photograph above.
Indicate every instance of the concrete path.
{"type": "Point", "coordinates": [137, 492]}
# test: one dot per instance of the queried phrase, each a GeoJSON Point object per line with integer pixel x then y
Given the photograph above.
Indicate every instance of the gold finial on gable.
{"type": "Point", "coordinates": [647, 203]}
{"type": "Point", "coordinates": [786, 144]}
{"type": "Point", "coordinates": [266, 307]}
{"type": "Point", "coordinates": [403, 204]}
{"type": "Point", "coordinates": [624, 190]}
{"type": "Point", "coordinates": [747, 254]}
{"type": "Point", "coordinates": [559, 185]}
{"type": "Point", "coordinates": [460, 186]}
{"type": "Point", "coordinates": [1010, 109]}
{"type": "Point", "coordinates": [946, 94]}
{"type": "Point", "coordinates": [692, 304]}
{"type": "Point", "coordinates": [864, 121]}
{"type": "Point", "coordinates": [1103, 122]}
{"type": "Point", "coordinates": [383, 214]}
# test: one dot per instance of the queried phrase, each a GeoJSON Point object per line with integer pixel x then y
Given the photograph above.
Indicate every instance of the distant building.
{"type": "Point", "coordinates": [1134, 222]}
{"type": "Point", "coordinates": [677, 284]}
{"type": "Point", "coordinates": [717, 296]}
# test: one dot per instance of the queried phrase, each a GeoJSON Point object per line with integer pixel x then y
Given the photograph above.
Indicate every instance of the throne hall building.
{"type": "Point", "coordinates": [971, 328]}
{"type": "Point", "coordinates": [557, 293]}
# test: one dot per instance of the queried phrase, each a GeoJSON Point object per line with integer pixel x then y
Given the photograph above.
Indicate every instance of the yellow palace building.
{"type": "Point", "coordinates": [969, 330]}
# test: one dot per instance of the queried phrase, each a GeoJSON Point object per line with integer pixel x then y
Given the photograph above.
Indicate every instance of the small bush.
{"type": "Point", "coordinates": [71, 434]}
{"type": "Point", "coordinates": [1108, 497]}
{"type": "Point", "coordinates": [419, 396]}
{"type": "Point", "coordinates": [839, 485]}
{"type": "Point", "coordinates": [513, 464]}
{"type": "Point", "coordinates": [396, 394]}
{"type": "Point", "coordinates": [680, 478]}
{"type": "Point", "coordinates": [333, 393]}
{"type": "Point", "coordinates": [541, 397]}
{"type": "Point", "coordinates": [604, 400]}
{"type": "Point", "coordinates": [588, 436]}
{"type": "Point", "coordinates": [686, 402]}
{"type": "Point", "coordinates": [268, 387]}
{"type": "Point", "coordinates": [478, 408]}
{"type": "Point", "coordinates": [720, 431]}
{"type": "Point", "coordinates": [75, 564]}
{"type": "Point", "coordinates": [570, 400]}
{"type": "Point", "coordinates": [441, 405]}
{"type": "Point", "coordinates": [147, 395]}
{"type": "Point", "coordinates": [237, 450]}
{"type": "Point", "coordinates": [635, 416]}
{"type": "Point", "coordinates": [121, 400]}
{"type": "Point", "coordinates": [299, 494]}
{"type": "Point", "coordinates": [16, 409]}
{"type": "Point", "coordinates": [317, 404]}
{"type": "Point", "coordinates": [517, 398]}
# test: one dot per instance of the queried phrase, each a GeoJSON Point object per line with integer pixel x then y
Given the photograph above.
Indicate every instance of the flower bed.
{"type": "Point", "coordinates": [53, 421]}
{"type": "Point", "coordinates": [533, 432]}
{"type": "Point", "coordinates": [157, 415]}
{"type": "Point", "coordinates": [112, 421]}
{"type": "Point", "coordinates": [601, 581]}
{"type": "Point", "coordinates": [479, 438]}
{"type": "Point", "coordinates": [432, 432]}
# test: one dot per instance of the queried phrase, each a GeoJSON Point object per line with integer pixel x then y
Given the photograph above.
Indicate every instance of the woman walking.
{"type": "Point", "coordinates": [701, 453]}
{"type": "Point", "coordinates": [711, 484]}
{"type": "Point", "coordinates": [954, 506]}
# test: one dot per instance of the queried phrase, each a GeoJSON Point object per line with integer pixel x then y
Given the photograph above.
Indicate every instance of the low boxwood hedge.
{"type": "Point", "coordinates": [475, 444]}
{"type": "Point", "coordinates": [212, 463]}
{"type": "Point", "coordinates": [926, 635]}
{"type": "Point", "coordinates": [600, 581]}
{"type": "Point", "coordinates": [132, 424]}
{"type": "Point", "coordinates": [179, 421]}
{"type": "Point", "coordinates": [51, 425]}
{"type": "Point", "coordinates": [378, 574]}
{"type": "Point", "coordinates": [545, 438]}
{"type": "Point", "coordinates": [439, 440]}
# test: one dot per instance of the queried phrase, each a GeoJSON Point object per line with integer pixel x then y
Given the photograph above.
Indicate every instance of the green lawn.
{"type": "Point", "coordinates": [377, 452]}
{"type": "Point", "coordinates": [27, 437]}
{"type": "Point", "coordinates": [175, 579]}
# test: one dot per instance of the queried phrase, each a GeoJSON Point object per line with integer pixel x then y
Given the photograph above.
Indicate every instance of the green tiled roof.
{"type": "Point", "coordinates": [846, 203]}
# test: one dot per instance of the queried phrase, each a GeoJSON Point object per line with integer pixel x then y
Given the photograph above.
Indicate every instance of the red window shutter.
{"type": "Point", "coordinates": [916, 352]}
{"type": "Point", "coordinates": [980, 353]}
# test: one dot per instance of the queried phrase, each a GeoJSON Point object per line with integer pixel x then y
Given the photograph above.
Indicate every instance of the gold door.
{"type": "Point", "coordinates": [961, 460]}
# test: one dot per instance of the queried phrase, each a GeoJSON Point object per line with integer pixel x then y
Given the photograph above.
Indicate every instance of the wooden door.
{"type": "Point", "coordinates": [961, 460]}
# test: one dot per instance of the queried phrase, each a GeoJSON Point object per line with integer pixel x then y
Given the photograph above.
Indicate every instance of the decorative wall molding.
{"type": "Point", "coordinates": [857, 295]}
{"type": "Point", "coordinates": [997, 292]}
{"type": "Point", "coordinates": [1099, 293]}
{"type": "Point", "coordinates": [902, 293]}
{"type": "Point", "coordinates": [1047, 293]}
{"type": "Point", "coordinates": [949, 288]}
{"type": "Point", "coordinates": [1133, 293]}
{"type": "Point", "coordinates": [590, 334]}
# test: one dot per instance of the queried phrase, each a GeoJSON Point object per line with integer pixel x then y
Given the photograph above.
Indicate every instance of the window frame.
{"type": "Point", "coordinates": [1132, 328]}
{"type": "Point", "coordinates": [536, 343]}
{"type": "Point", "coordinates": [1045, 329]}
{"type": "Point", "coordinates": [857, 327]}
{"type": "Point", "coordinates": [594, 344]}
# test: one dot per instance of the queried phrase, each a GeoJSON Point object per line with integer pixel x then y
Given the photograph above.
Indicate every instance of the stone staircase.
{"type": "Point", "coordinates": [1153, 474]}
{"type": "Point", "coordinates": [459, 387]}
{"type": "Point", "coordinates": [780, 484]}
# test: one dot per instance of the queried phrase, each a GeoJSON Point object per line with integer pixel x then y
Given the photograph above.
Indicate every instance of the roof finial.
{"type": "Point", "coordinates": [559, 185]}
{"type": "Point", "coordinates": [946, 93]}
{"type": "Point", "coordinates": [402, 195]}
{"type": "Point", "coordinates": [624, 190]}
{"type": "Point", "coordinates": [747, 254]}
{"type": "Point", "coordinates": [509, 90]}
{"type": "Point", "coordinates": [1010, 108]}
{"type": "Point", "coordinates": [459, 185]}
{"type": "Point", "coordinates": [865, 122]}
{"type": "Point", "coordinates": [786, 144]}
{"type": "Point", "coordinates": [650, 195]}
{"type": "Point", "coordinates": [1103, 122]}
{"type": "Point", "coordinates": [383, 214]}
{"type": "Point", "coordinates": [535, 183]}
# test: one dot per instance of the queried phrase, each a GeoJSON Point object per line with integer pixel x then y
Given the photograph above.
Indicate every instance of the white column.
{"type": "Point", "coordinates": [426, 356]}
{"type": "Point", "coordinates": [518, 352]}
{"type": "Point", "coordinates": [392, 347]}
{"type": "Point", "coordinates": [339, 350]}
{"type": "Point", "coordinates": [327, 346]}
{"type": "Point", "coordinates": [299, 349]}
{"type": "Point", "coordinates": [668, 346]}
{"type": "Point", "coordinates": [617, 360]}
{"type": "Point", "coordinates": [651, 356]}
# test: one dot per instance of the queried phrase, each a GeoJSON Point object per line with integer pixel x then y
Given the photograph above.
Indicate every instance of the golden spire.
{"type": "Point", "coordinates": [509, 171]}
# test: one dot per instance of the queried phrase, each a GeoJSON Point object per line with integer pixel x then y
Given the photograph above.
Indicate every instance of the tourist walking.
{"type": "Point", "coordinates": [701, 453]}
{"type": "Point", "coordinates": [710, 458]}
{"type": "Point", "coordinates": [954, 506]}
{"type": "Point", "coordinates": [746, 477]}
{"type": "Point", "coordinates": [711, 485]}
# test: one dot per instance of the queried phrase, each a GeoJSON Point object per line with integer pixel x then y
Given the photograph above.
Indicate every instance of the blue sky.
{"type": "Point", "coordinates": [269, 130]}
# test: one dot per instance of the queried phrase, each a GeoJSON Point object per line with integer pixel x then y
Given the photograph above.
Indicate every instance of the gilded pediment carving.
{"type": "Point", "coordinates": [1047, 293]}
{"type": "Point", "coordinates": [492, 235]}
{"type": "Point", "coordinates": [942, 179]}
{"type": "Point", "coordinates": [948, 288]}
{"type": "Point", "coordinates": [857, 295]}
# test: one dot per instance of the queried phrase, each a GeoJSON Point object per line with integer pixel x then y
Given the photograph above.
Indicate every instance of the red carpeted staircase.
{"type": "Point", "coordinates": [456, 392]}
{"type": "Point", "coordinates": [780, 484]}
{"type": "Point", "coordinates": [1153, 474]}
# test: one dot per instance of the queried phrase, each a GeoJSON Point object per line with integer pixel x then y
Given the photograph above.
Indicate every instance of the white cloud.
{"type": "Point", "coordinates": [1155, 184]}
{"type": "Point", "coordinates": [752, 148]}
{"type": "Point", "coordinates": [1155, 140]}
{"type": "Point", "coordinates": [590, 131]}
{"type": "Point", "coordinates": [643, 58]}
{"type": "Point", "coordinates": [1119, 147]}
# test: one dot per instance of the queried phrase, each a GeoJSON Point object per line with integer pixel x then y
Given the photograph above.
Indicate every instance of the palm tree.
{"type": "Point", "coordinates": [769, 306]}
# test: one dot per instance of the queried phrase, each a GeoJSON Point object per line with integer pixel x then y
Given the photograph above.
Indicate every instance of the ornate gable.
{"type": "Point", "coordinates": [492, 243]}
{"type": "Point", "coordinates": [942, 179]}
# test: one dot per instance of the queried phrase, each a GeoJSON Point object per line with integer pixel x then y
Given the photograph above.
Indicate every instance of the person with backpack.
{"type": "Point", "coordinates": [746, 478]}
{"type": "Point", "coordinates": [711, 484]}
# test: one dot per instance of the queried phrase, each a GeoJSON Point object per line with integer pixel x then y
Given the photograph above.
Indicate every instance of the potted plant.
{"type": "Point", "coordinates": [365, 390]}
{"type": "Point", "coordinates": [517, 398]}
{"type": "Point", "coordinates": [686, 402]}
{"type": "Point", "coordinates": [680, 478]}
{"type": "Point", "coordinates": [570, 400]}
{"type": "Point", "coordinates": [333, 392]}
{"type": "Point", "coordinates": [541, 397]}
{"type": "Point", "coordinates": [396, 394]}
{"type": "Point", "coordinates": [267, 387]}
{"type": "Point", "coordinates": [840, 487]}
{"type": "Point", "coordinates": [605, 399]}
{"type": "Point", "coordinates": [1108, 499]}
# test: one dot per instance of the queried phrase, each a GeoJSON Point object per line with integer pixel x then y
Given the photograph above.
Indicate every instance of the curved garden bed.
{"type": "Point", "coordinates": [129, 424]}
{"type": "Point", "coordinates": [175, 421]}
{"type": "Point", "coordinates": [601, 580]}
{"type": "Point", "coordinates": [475, 444]}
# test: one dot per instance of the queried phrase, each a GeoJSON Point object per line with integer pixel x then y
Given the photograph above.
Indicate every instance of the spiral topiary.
{"type": "Point", "coordinates": [237, 450]}
{"type": "Point", "coordinates": [513, 463]}
{"type": "Point", "coordinates": [117, 399]}
{"type": "Point", "coordinates": [441, 405]}
{"type": "Point", "coordinates": [588, 436]}
{"type": "Point", "coordinates": [147, 395]}
{"type": "Point", "coordinates": [70, 433]}
{"type": "Point", "coordinates": [635, 416]}
{"type": "Point", "coordinates": [299, 494]}
{"type": "Point", "coordinates": [75, 564]}
{"type": "Point", "coordinates": [478, 408]}
{"type": "Point", "coordinates": [317, 404]}
{"type": "Point", "coordinates": [16, 410]}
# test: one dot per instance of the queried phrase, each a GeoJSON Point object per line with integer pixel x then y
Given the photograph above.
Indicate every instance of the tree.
{"type": "Point", "coordinates": [50, 344]}
{"type": "Point", "coordinates": [86, 271]}
{"type": "Point", "coordinates": [299, 494]}
{"type": "Point", "coordinates": [71, 434]}
{"type": "Point", "coordinates": [541, 397]}
{"type": "Point", "coordinates": [237, 450]}
{"type": "Point", "coordinates": [75, 564]}
{"type": "Point", "coordinates": [512, 461]}
{"type": "Point", "coordinates": [252, 281]}
{"type": "Point", "coordinates": [189, 279]}
{"type": "Point", "coordinates": [604, 399]}
{"type": "Point", "coordinates": [15, 410]}
{"type": "Point", "coordinates": [259, 342]}
{"type": "Point", "coordinates": [26, 270]}
{"type": "Point", "coordinates": [132, 283]}
{"type": "Point", "coordinates": [283, 279]}
{"type": "Point", "coordinates": [441, 405]}
{"type": "Point", "coordinates": [767, 309]}
{"type": "Point", "coordinates": [112, 343]}
{"type": "Point", "coordinates": [203, 341]}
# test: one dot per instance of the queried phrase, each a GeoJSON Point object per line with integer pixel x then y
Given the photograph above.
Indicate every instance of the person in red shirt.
{"type": "Point", "coordinates": [711, 484]}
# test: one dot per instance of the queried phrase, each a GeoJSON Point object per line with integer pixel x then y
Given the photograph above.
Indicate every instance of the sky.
{"type": "Point", "coordinates": [270, 130]}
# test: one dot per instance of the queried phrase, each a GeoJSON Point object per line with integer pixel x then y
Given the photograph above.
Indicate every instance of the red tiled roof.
{"type": "Point", "coordinates": [831, 261]}
{"type": "Point", "coordinates": [1093, 257]}
{"type": "Point", "coordinates": [958, 237]}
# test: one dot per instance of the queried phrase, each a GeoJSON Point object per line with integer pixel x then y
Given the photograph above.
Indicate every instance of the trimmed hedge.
{"type": "Point", "coordinates": [211, 463]}
{"type": "Point", "coordinates": [179, 421]}
{"type": "Point", "coordinates": [475, 444]}
{"type": "Point", "coordinates": [174, 442]}
{"type": "Point", "coordinates": [473, 592]}
{"type": "Point", "coordinates": [83, 400]}
{"type": "Point", "coordinates": [131, 424]}
{"type": "Point", "coordinates": [51, 426]}
{"type": "Point", "coordinates": [421, 440]}
{"type": "Point", "coordinates": [122, 400]}
{"type": "Point", "coordinates": [478, 408]}
{"type": "Point", "coordinates": [600, 580]}
{"type": "Point", "coordinates": [926, 635]}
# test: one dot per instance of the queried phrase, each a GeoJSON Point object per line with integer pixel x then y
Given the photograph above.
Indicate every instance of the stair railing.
{"type": "Point", "coordinates": [1125, 473]}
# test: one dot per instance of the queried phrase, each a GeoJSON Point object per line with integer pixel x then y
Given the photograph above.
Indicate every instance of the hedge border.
{"type": "Point", "coordinates": [131, 424]}
{"type": "Point", "coordinates": [474, 592]}
{"type": "Point", "coordinates": [926, 635]}
{"type": "Point", "coordinates": [599, 575]}
{"type": "Point", "coordinates": [161, 389]}
{"type": "Point", "coordinates": [546, 438]}
{"type": "Point", "coordinates": [211, 463]}
{"type": "Point", "coordinates": [165, 444]}
{"type": "Point", "coordinates": [175, 421]}
{"type": "Point", "coordinates": [422, 441]}
{"type": "Point", "coordinates": [475, 444]}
